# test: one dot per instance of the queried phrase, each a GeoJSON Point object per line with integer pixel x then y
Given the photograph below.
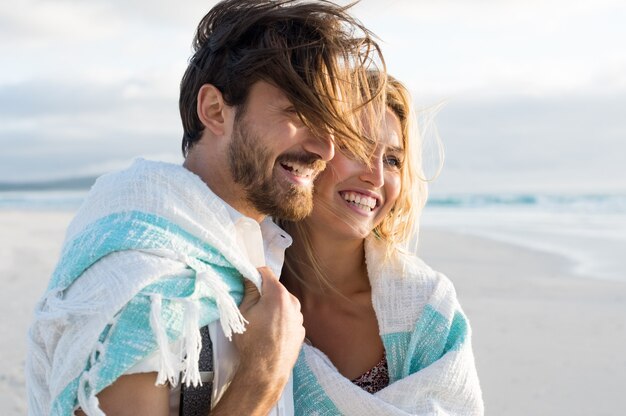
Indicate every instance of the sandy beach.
{"type": "Point", "coordinates": [546, 342]}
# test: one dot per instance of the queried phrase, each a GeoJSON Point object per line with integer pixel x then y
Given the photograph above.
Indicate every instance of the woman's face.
{"type": "Point", "coordinates": [351, 198]}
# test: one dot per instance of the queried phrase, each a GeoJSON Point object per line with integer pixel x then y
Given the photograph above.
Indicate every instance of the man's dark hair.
{"type": "Point", "coordinates": [314, 51]}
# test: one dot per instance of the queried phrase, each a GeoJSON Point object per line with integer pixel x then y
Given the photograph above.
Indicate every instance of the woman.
{"type": "Point", "coordinates": [385, 332]}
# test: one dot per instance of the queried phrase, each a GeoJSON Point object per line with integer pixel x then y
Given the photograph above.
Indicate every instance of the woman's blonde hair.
{"type": "Point", "coordinates": [400, 226]}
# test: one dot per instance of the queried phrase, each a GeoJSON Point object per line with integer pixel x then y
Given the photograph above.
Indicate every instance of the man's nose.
{"type": "Point", "coordinates": [321, 144]}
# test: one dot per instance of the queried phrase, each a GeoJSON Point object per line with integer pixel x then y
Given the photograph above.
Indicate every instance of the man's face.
{"type": "Point", "coordinates": [273, 156]}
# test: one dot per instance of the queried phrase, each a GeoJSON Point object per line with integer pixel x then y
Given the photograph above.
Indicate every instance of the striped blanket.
{"type": "Point", "coordinates": [427, 343]}
{"type": "Point", "coordinates": [176, 243]}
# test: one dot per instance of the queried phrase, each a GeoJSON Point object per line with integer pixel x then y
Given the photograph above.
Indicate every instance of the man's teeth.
{"type": "Point", "coordinates": [364, 202]}
{"type": "Point", "coordinates": [299, 170]}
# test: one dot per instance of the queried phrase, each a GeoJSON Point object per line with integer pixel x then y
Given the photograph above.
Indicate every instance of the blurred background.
{"type": "Point", "coordinates": [533, 124]}
{"type": "Point", "coordinates": [535, 90]}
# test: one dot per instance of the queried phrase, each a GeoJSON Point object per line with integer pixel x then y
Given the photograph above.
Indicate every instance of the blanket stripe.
{"type": "Point", "coordinates": [132, 230]}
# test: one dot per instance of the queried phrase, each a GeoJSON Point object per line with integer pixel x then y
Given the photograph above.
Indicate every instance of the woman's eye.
{"type": "Point", "coordinates": [393, 161]}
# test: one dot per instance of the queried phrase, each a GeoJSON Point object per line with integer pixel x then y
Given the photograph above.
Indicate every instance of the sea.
{"type": "Point", "coordinates": [588, 230]}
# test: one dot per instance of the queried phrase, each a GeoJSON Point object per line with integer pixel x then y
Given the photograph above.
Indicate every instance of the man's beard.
{"type": "Point", "coordinates": [252, 167]}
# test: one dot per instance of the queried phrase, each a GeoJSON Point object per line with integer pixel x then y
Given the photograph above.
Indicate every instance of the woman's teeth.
{"type": "Point", "coordinates": [365, 203]}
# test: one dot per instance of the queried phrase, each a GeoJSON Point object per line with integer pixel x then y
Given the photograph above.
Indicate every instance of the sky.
{"type": "Point", "coordinates": [531, 95]}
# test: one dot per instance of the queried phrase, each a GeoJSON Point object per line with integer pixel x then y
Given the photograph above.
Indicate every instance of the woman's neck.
{"type": "Point", "coordinates": [340, 321]}
{"type": "Point", "coordinates": [342, 263]}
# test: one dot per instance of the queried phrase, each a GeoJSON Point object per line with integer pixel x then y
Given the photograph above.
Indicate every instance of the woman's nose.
{"type": "Point", "coordinates": [374, 173]}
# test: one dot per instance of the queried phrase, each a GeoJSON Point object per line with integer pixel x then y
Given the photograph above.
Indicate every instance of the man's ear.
{"type": "Point", "coordinates": [211, 108]}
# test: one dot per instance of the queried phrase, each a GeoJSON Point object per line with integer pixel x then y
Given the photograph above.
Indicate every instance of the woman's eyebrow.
{"type": "Point", "coordinates": [396, 149]}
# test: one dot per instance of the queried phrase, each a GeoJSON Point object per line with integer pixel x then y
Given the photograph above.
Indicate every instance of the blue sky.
{"type": "Point", "coordinates": [535, 91]}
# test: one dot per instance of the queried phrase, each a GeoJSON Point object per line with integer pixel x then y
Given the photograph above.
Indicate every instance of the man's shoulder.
{"type": "Point", "coordinates": [165, 189]}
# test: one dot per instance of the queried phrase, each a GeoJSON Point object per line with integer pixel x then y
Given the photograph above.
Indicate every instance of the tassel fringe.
{"type": "Point", "coordinates": [231, 319]}
{"type": "Point", "coordinates": [168, 371]}
{"type": "Point", "coordinates": [193, 344]}
{"type": "Point", "coordinates": [86, 394]}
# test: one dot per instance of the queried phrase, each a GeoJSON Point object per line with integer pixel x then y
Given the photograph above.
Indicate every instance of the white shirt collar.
{"type": "Point", "coordinates": [274, 242]}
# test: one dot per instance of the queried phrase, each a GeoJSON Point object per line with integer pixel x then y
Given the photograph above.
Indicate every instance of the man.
{"type": "Point", "coordinates": [159, 250]}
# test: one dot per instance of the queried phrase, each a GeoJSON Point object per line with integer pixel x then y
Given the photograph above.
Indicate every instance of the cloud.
{"type": "Point", "coordinates": [50, 97]}
{"type": "Point", "coordinates": [156, 11]}
{"type": "Point", "coordinates": [36, 98]}
{"type": "Point", "coordinates": [60, 129]}
{"type": "Point", "coordinates": [38, 156]}
{"type": "Point", "coordinates": [525, 143]}
{"type": "Point", "coordinates": [486, 48]}
{"type": "Point", "coordinates": [97, 41]}
{"type": "Point", "coordinates": [31, 22]}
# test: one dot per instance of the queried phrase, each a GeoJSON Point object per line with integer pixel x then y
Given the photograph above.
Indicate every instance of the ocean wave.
{"type": "Point", "coordinates": [567, 203]}
{"type": "Point", "coordinates": [41, 200]}
{"type": "Point", "coordinates": [610, 204]}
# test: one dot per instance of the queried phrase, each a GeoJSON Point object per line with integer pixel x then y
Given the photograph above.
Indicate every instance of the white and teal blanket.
{"type": "Point", "coordinates": [175, 242]}
{"type": "Point", "coordinates": [427, 342]}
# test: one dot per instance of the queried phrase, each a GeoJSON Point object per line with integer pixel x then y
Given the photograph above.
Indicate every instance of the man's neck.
{"type": "Point", "coordinates": [215, 174]}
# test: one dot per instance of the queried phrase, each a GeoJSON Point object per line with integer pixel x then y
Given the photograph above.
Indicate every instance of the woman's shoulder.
{"type": "Point", "coordinates": [403, 286]}
{"type": "Point", "coordinates": [415, 274]}
{"type": "Point", "coordinates": [401, 266]}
